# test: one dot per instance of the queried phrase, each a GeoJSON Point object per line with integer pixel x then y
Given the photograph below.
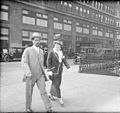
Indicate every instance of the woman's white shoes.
{"type": "Point", "coordinates": [61, 101]}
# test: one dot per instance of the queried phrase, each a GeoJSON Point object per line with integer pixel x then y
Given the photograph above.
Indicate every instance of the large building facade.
{"type": "Point", "coordinates": [80, 23]}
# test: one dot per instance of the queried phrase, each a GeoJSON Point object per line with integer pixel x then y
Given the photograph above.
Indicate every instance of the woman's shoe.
{"type": "Point", "coordinates": [51, 97]}
{"type": "Point", "coordinates": [61, 101]}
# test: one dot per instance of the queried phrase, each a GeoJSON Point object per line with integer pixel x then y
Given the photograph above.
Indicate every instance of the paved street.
{"type": "Point", "coordinates": [80, 91]}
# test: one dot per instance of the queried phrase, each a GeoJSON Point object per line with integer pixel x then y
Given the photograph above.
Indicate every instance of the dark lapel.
{"type": "Point", "coordinates": [56, 55]}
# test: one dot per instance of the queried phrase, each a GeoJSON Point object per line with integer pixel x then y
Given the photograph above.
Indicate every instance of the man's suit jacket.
{"type": "Point", "coordinates": [53, 63]}
{"type": "Point", "coordinates": [32, 63]}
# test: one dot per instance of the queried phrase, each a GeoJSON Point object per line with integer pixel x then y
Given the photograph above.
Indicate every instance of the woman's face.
{"type": "Point", "coordinates": [57, 46]}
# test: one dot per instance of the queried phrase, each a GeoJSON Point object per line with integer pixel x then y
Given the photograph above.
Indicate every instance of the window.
{"type": "Point", "coordinates": [69, 7]}
{"type": "Point", "coordinates": [67, 27]}
{"type": "Point", "coordinates": [4, 7]}
{"type": "Point", "coordinates": [25, 12]}
{"type": "Point", "coordinates": [101, 18]}
{"type": "Point", "coordinates": [118, 34]}
{"type": "Point", "coordinates": [4, 12]}
{"type": "Point", "coordinates": [77, 8]}
{"type": "Point", "coordinates": [111, 35]}
{"type": "Point", "coordinates": [4, 37]}
{"type": "Point", "coordinates": [98, 5]}
{"type": "Point", "coordinates": [85, 28]}
{"type": "Point", "coordinates": [107, 34]}
{"type": "Point", "coordinates": [65, 21]}
{"type": "Point", "coordinates": [108, 9]}
{"type": "Point", "coordinates": [77, 23]}
{"type": "Point", "coordinates": [84, 14]}
{"type": "Point", "coordinates": [93, 3]}
{"type": "Point", "coordinates": [96, 16]}
{"type": "Point", "coordinates": [42, 22]}
{"type": "Point", "coordinates": [38, 15]}
{"type": "Point", "coordinates": [4, 16]}
{"type": "Point", "coordinates": [69, 22]}
{"type": "Point", "coordinates": [95, 32]}
{"type": "Point", "coordinates": [28, 20]}
{"type": "Point", "coordinates": [101, 6]}
{"type": "Point", "coordinates": [44, 16]}
{"type": "Point", "coordinates": [55, 19]}
{"type": "Point", "coordinates": [79, 29]}
{"type": "Point", "coordinates": [4, 31]}
{"type": "Point", "coordinates": [100, 31]}
{"type": "Point", "coordinates": [65, 3]}
{"type": "Point", "coordinates": [25, 33]}
{"type": "Point", "coordinates": [88, 12]}
{"type": "Point", "coordinates": [44, 35]}
{"type": "Point", "coordinates": [57, 25]}
{"type": "Point", "coordinates": [93, 15]}
{"type": "Point", "coordinates": [81, 11]}
{"type": "Point", "coordinates": [108, 20]}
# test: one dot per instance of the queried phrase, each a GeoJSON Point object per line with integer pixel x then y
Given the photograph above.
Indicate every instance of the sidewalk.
{"type": "Point", "coordinates": [81, 93]}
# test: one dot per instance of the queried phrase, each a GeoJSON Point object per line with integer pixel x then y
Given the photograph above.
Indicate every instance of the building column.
{"type": "Point", "coordinates": [115, 40]}
{"type": "Point", "coordinates": [15, 26]}
{"type": "Point", "coordinates": [74, 35]}
{"type": "Point", "coordinates": [50, 32]}
{"type": "Point", "coordinates": [104, 38]}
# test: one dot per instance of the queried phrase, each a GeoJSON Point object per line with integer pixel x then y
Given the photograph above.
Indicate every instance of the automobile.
{"type": "Point", "coordinates": [93, 53]}
{"type": "Point", "coordinates": [78, 57]}
{"type": "Point", "coordinates": [13, 53]}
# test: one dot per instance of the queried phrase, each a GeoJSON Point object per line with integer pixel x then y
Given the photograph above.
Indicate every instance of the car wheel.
{"type": "Point", "coordinates": [6, 58]}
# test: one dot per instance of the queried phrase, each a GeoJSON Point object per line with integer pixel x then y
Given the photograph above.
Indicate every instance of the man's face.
{"type": "Point", "coordinates": [36, 41]}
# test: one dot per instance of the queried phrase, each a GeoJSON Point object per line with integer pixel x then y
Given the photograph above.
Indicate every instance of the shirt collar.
{"type": "Point", "coordinates": [35, 47]}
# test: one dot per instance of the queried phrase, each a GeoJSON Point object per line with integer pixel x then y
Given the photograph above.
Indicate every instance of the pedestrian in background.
{"type": "Point", "coordinates": [55, 62]}
{"type": "Point", "coordinates": [45, 57]}
{"type": "Point", "coordinates": [32, 64]}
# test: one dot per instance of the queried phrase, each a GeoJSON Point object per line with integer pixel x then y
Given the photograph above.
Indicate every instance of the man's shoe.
{"type": "Point", "coordinates": [29, 110]}
{"type": "Point", "coordinates": [50, 111]}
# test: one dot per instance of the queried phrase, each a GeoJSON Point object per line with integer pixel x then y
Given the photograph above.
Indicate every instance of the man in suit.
{"type": "Point", "coordinates": [55, 62]}
{"type": "Point", "coordinates": [32, 64]}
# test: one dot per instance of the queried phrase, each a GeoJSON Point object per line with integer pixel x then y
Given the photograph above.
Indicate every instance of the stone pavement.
{"type": "Point", "coordinates": [81, 93]}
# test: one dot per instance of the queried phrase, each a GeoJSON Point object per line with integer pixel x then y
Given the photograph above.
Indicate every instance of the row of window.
{"type": "Point", "coordinates": [42, 20]}
{"type": "Point", "coordinates": [100, 6]}
{"type": "Point", "coordinates": [29, 17]}
{"type": "Point", "coordinates": [95, 4]}
{"type": "Point", "coordinates": [85, 12]}
{"type": "Point", "coordinates": [27, 34]}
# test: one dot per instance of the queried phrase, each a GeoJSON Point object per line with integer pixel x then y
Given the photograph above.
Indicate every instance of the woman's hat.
{"type": "Point", "coordinates": [35, 34]}
{"type": "Point", "coordinates": [57, 39]}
